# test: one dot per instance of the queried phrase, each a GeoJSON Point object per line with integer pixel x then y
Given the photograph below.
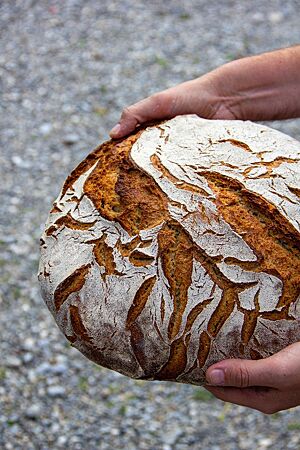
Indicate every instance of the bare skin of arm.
{"type": "Point", "coordinates": [262, 87]}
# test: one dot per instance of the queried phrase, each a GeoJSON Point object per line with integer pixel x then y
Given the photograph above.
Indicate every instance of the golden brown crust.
{"type": "Point", "coordinates": [266, 231]}
{"type": "Point", "coordinates": [69, 222]}
{"type": "Point", "coordinates": [124, 194]}
{"type": "Point", "coordinates": [72, 283]}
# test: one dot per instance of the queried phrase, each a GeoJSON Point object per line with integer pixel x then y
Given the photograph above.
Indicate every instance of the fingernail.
{"type": "Point", "coordinates": [115, 130]}
{"type": "Point", "coordinates": [217, 377]}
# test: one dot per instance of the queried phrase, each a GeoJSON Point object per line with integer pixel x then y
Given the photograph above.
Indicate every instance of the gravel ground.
{"type": "Point", "coordinates": [67, 69]}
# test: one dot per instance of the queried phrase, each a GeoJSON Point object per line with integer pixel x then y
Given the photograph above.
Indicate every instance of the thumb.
{"type": "Point", "coordinates": [243, 373]}
{"type": "Point", "coordinates": [280, 370]}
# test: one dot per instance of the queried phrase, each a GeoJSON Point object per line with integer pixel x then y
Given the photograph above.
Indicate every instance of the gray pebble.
{"type": "Point", "coordinates": [27, 357]}
{"type": "Point", "coordinates": [275, 17]}
{"type": "Point", "coordinates": [17, 160]}
{"type": "Point", "coordinates": [45, 128]}
{"type": "Point", "coordinates": [13, 361]}
{"type": "Point", "coordinates": [43, 369]}
{"type": "Point", "coordinates": [15, 429]}
{"type": "Point", "coordinates": [62, 440]}
{"type": "Point", "coordinates": [171, 436]}
{"type": "Point", "coordinates": [21, 162]}
{"type": "Point", "coordinates": [58, 369]}
{"type": "Point", "coordinates": [33, 412]}
{"type": "Point", "coordinates": [56, 391]}
{"type": "Point", "coordinates": [70, 139]}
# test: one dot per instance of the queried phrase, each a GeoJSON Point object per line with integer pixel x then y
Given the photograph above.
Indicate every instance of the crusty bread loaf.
{"type": "Point", "coordinates": [177, 247]}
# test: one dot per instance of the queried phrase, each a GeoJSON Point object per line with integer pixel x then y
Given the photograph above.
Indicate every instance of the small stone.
{"type": "Point", "coordinates": [61, 359]}
{"type": "Point", "coordinates": [13, 419]}
{"type": "Point", "coordinates": [258, 16]}
{"type": "Point", "coordinates": [58, 369]}
{"type": "Point", "coordinates": [12, 209]}
{"type": "Point", "coordinates": [26, 103]}
{"type": "Point", "coordinates": [55, 427]}
{"type": "Point", "coordinates": [42, 91]}
{"type": "Point", "coordinates": [62, 440]}
{"type": "Point", "coordinates": [18, 248]}
{"type": "Point", "coordinates": [13, 362]}
{"type": "Point", "coordinates": [43, 369]}
{"type": "Point", "coordinates": [70, 139]}
{"type": "Point", "coordinates": [265, 443]}
{"type": "Point", "coordinates": [45, 128]}
{"type": "Point", "coordinates": [85, 106]}
{"type": "Point", "coordinates": [14, 430]}
{"type": "Point", "coordinates": [33, 412]}
{"type": "Point", "coordinates": [43, 343]}
{"type": "Point", "coordinates": [15, 200]}
{"type": "Point", "coordinates": [114, 432]}
{"type": "Point", "coordinates": [17, 160]}
{"type": "Point", "coordinates": [27, 357]}
{"type": "Point", "coordinates": [29, 344]}
{"type": "Point", "coordinates": [67, 108]}
{"type": "Point", "coordinates": [171, 436]}
{"type": "Point", "coordinates": [54, 369]}
{"type": "Point", "coordinates": [8, 239]}
{"type": "Point", "coordinates": [20, 162]}
{"type": "Point", "coordinates": [56, 391]}
{"type": "Point", "coordinates": [32, 376]}
{"type": "Point", "coordinates": [275, 17]}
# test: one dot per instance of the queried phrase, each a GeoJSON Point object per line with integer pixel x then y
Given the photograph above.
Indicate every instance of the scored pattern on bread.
{"type": "Point", "coordinates": [177, 247]}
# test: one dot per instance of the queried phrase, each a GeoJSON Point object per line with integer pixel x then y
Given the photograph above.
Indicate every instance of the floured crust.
{"type": "Point", "coordinates": [177, 247]}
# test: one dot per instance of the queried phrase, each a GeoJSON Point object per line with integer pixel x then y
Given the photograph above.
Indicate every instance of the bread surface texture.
{"type": "Point", "coordinates": [177, 247]}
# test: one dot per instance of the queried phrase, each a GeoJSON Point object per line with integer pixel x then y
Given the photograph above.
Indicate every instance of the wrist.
{"type": "Point", "coordinates": [247, 92]}
{"type": "Point", "coordinates": [225, 101]}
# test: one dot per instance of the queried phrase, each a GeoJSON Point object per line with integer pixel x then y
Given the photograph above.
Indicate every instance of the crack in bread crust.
{"type": "Point", "coordinates": [73, 283]}
{"type": "Point", "coordinates": [266, 232]}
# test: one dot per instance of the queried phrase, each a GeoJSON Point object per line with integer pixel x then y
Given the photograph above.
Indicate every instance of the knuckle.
{"type": "Point", "coordinates": [244, 376]}
{"type": "Point", "coordinates": [160, 100]}
{"type": "Point", "coordinates": [127, 112]}
{"type": "Point", "coordinates": [157, 98]}
{"type": "Point", "coordinates": [241, 377]}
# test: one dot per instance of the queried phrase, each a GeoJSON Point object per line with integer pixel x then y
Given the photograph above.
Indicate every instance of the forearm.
{"type": "Point", "coordinates": [263, 87]}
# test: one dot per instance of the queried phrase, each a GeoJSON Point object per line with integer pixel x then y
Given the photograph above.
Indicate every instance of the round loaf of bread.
{"type": "Point", "coordinates": [177, 247]}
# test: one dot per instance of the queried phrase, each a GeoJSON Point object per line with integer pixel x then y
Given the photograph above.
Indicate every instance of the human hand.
{"type": "Point", "coordinates": [200, 96]}
{"type": "Point", "coordinates": [268, 385]}
{"type": "Point", "coordinates": [262, 87]}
